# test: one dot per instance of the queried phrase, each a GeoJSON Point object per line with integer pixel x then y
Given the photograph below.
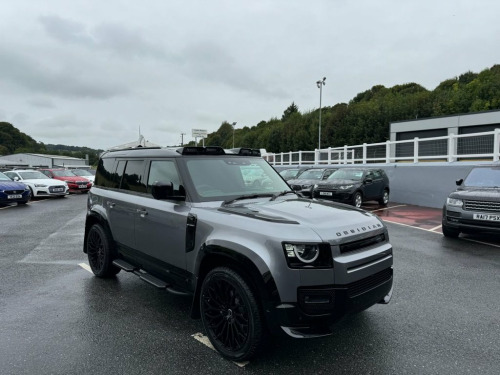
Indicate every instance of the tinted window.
{"type": "Point", "coordinates": [163, 171]}
{"type": "Point", "coordinates": [105, 175]}
{"type": "Point", "coordinates": [133, 178]}
{"type": "Point", "coordinates": [483, 177]}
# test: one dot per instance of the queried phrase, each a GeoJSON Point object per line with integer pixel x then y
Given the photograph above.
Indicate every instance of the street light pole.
{"type": "Point", "coordinates": [320, 85]}
{"type": "Point", "coordinates": [233, 125]}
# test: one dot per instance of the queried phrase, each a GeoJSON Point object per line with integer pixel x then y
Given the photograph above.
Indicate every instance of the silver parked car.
{"type": "Point", "coordinates": [252, 257]}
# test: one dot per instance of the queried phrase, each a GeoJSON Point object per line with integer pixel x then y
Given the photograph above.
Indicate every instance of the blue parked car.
{"type": "Point", "coordinates": [13, 191]}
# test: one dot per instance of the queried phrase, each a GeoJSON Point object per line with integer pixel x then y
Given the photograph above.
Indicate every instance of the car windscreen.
{"type": "Point", "coordinates": [229, 177]}
{"type": "Point", "coordinates": [33, 175]}
{"type": "Point", "coordinates": [347, 174]}
{"type": "Point", "coordinates": [289, 173]}
{"type": "Point", "coordinates": [311, 174]}
{"type": "Point", "coordinates": [64, 173]}
{"type": "Point", "coordinates": [81, 172]}
{"type": "Point", "coordinates": [483, 177]}
{"type": "Point", "coordinates": [4, 177]}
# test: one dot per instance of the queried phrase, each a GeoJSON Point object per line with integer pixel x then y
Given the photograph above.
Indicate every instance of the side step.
{"type": "Point", "coordinates": [124, 265]}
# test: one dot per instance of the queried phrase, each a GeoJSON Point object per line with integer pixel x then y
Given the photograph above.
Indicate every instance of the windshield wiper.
{"type": "Point", "coordinates": [281, 194]}
{"type": "Point", "coordinates": [249, 196]}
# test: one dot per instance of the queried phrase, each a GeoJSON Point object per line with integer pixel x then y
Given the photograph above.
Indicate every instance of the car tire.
{"type": "Point", "coordinates": [100, 252]}
{"type": "Point", "coordinates": [32, 196]}
{"type": "Point", "coordinates": [230, 314]}
{"type": "Point", "coordinates": [357, 199]}
{"type": "Point", "coordinates": [450, 232]}
{"type": "Point", "coordinates": [385, 198]}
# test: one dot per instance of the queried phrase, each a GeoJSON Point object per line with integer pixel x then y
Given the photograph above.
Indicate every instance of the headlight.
{"type": "Point", "coordinates": [306, 186]}
{"type": "Point", "coordinates": [308, 255]}
{"type": "Point", "coordinates": [345, 187]}
{"type": "Point", "coordinates": [316, 186]}
{"type": "Point", "coordinates": [40, 185]}
{"type": "Point", "coordinates": [454, 202]}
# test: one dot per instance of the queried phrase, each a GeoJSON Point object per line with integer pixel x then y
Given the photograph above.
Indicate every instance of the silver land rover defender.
{"type": "Point", "coordinates": [253, 256]}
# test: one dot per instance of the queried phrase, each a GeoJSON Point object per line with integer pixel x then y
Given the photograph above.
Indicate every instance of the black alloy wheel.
{"type": "Point", "coordinates": [231, 314]}
{"type": "Point", "coordinates": [99, 252]}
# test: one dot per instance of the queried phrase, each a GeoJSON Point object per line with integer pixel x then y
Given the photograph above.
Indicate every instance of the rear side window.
{"type": "Point", "coordinates": [133, 177]}
{"type": "Point", "coordinates": [105, 175]}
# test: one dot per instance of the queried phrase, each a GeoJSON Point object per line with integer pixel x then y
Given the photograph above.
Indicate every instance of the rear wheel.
{"type": "Point", "coordinates": [100, 252]}
{"type": "Point", "coordinates": [231, 314]}
{"type": "Point", "coordinates": [385, 198]}
{"type": "Point", "coordinates": [450, 232]}
{"type": "Point", "coordinates": [357, 199]}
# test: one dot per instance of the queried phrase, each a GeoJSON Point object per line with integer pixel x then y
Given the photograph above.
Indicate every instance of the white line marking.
{"type": "Point", "coordinates": [483, 243]}
{"type": "Point", "coordinates": [388, 208]}
{"type": "Point", "coordinates": [86, 267]}
{"type": "Point", "coordinates": [433, 229]}
{"type": "Point", "coordinates": [409, 226]}
{"type": "Point", "coordinates": [205, 341]}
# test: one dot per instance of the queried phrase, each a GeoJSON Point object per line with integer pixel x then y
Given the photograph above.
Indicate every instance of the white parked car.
{"type": "Point", "coordinates": [84, 173]}
{"type": "Point", "coordinates": [39, 184]}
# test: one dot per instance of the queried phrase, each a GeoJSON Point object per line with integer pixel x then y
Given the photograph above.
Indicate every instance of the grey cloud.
{"type": "Point", "coordinates": [66, 31]}
{"type": "Point", "coordinates": [41, 103]}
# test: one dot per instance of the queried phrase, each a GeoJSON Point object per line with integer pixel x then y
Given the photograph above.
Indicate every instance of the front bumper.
{"type": "Point", "coordinates": [336, 196]}
{"type": "Point", "coordinates": [320, 307]}
{"type": "Point", "coordinates": [463, 221]}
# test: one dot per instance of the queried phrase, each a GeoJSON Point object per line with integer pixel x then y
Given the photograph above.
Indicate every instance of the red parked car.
{"type": "Point", "coordinates": [75, 183]}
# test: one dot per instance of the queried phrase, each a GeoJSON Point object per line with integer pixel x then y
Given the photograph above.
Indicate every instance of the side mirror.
{"type": "Point", "coordinates": [459, 182]}
{"type": "Point", "coordinates": [165, 190]}
{"type": "Point", "coordinates": [16, 178]}
{"type": "Point", "coordinates": [368, 180]}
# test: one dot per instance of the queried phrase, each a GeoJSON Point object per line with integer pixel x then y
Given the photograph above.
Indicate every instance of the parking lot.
{"type": "Point", "coordinates": [57, 318]}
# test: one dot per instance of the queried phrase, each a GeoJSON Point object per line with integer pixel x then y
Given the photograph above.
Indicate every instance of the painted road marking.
{"type": "Point", "coordinates": [205, 341]}
{"type": "Point", "coordinates": [410, 226]}
{"type": "Point", "coordinates": [388, 208]}
{"type": "Point", "coordinates": [435, 228]}
{"type": "Point", "coordinates": [86, 267]}
{"type": "Point", "coordinates": [483, 243]}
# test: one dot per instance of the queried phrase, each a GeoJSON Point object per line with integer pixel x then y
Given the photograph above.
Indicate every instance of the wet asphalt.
{"type": "Point", "coordinates": [56, 318]}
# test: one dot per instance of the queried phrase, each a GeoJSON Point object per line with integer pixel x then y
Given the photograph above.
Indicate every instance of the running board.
{"type": "Point", "coordinates": [306, 332]}
{"type": "Point", "coordinates": [124, 265]}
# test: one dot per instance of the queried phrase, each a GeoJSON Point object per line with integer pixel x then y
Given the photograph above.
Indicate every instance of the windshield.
{"type": "Point", "coordinates": [483, 177]}
{"type": "Point", "coordinates": [226, 178]}
{"type": "Point", "coordinates": [4, 177]}
{"type": "Point", "coordinates": [312, 174]}
{"type": "Point", "coordinates": [289, 173]}
{"type": "Point", "coordinates": [63, 173]}
{"type": "Point", "coordinates": [347, 174]}
{"type": "Point", "coordinates": [81, 172]}
{"type": "Point", "coordinates": [32, 175]}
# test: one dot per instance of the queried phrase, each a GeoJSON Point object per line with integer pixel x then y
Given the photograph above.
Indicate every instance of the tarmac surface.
{"type": "Point", "coordinates": [57, 318]}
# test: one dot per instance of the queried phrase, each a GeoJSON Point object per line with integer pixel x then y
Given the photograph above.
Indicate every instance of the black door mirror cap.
{"type": "Point", "coordinates": [459, 182]}
{"type": "Point", "coordinates": [165, 190]}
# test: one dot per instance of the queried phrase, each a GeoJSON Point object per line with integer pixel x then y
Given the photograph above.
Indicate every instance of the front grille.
{"type": "Point", "coordinates": [360, 244]}
{"type": "Point", "coordinates": [359, 287]}
{"type": "Point", "coordinates": [481, 206]}
{"type": "Point", "coordinates": [13, 191]}
{"type": "Point", "coordinates": [480, 223]}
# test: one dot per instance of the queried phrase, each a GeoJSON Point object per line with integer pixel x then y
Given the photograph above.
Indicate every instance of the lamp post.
{"type": "Point", "coordinates": [320, 85]}
{"type": "Point", "coordinates": [233, 125]}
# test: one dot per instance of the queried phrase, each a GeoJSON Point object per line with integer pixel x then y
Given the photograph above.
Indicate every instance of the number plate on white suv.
{"type": "Point", "coordinates": [487, 217]}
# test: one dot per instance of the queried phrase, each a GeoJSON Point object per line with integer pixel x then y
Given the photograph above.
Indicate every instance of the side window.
{"type": "Point", "coordinates": [105, 175]}
{"type": "Point", "coordinates": [163, 171]}
{"type": "Point", "coordinates": [133, 177]}
{"type": "Point", "coordinates": [10, 175]}
{"type": "Point", "coordinates": [376, 175]}
{"type": "Point", "coordinates": [120, 168]}
{"type": "Point", "coordinates": [46, 173]}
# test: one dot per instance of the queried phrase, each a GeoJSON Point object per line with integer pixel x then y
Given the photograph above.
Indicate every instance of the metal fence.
{"type": "Point", "coordinates": [483, 146]}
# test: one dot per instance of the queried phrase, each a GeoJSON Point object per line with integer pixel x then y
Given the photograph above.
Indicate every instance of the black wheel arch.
{"type": "Point", "coordinates": [95, 218]}
{"type": "Point", "coordinates": [262, 284]}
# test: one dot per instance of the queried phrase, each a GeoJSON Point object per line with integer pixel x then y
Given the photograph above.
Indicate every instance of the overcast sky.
{"type": "Point", "coordinates": [90, 73]}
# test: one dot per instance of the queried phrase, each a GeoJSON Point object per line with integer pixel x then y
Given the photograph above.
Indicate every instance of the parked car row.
{"type": "Point", "coordinates": [20, 185]}
{"type": "Point", "coordinates": [346, 185]}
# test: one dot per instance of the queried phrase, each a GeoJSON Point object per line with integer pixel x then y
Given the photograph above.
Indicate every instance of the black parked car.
{"type": "Point", "coordinates": [354, 186]}
{"type": "Point", "coordinates": [291, 173]}
{"type": "Point", "coordinates": [475, 206]}
{"type": "Point", "coordinates": [308, 178]}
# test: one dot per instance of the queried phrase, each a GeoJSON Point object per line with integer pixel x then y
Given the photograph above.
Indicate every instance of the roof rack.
{"type": "Point", "coordinates": [133, 148]}
{"type": "Point", "coordinates": [244, 151]}
{"type": "Point", "coordinates": [209, 150]}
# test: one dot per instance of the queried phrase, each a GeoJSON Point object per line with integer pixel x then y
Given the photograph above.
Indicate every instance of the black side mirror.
{"type": "Point", "coordinates": [165, 190]}
{"type": "Point", "coordinates": [459, 182]}
{"type": "Point", "coordinates": [368, 180]}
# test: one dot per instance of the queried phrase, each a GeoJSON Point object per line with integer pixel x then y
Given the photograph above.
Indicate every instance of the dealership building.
{"type": "Point", "coordinates": [27, 160]}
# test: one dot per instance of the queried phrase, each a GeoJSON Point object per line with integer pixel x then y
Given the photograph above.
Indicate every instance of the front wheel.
{"type": "Point", "coordinates": [100, 252]}
{"type": "Point", "coordinates": [385, 198]}
{"type": "Point", "coordinates": [450, 232]}
{"type": "Point", "coordinates": [357, 199]}
{"type": "Point", "coordinates": [231, 314]}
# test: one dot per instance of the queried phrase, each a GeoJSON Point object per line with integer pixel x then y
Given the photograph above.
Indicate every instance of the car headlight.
{"type": "Point", "coordinates": [316, 186]}
{"type": "Point", "coordinates": [454, 202]}
{"type": "Point", "coordinates": [306, 186]}
{"type": "Point", "coordinates": [307, 255]}
{"type": "Point", "coordinates": [345, 187]}
{"type": "Point", "coordinates": [40, 185]}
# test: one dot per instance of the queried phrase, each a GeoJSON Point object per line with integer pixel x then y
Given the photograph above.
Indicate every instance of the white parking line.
{"type": "Point", "coordinates": [410, 226]}
{"type": "Point", "coordinates": [435, 228]}
{"type": "Point", "coordinates": [388, 208]}
{"type": "Point", "coordinates": [85, 266]}
{"type": "Point", "coordinates": [205, 341]}
{"type": "Point", "coordinates": [483, 243]}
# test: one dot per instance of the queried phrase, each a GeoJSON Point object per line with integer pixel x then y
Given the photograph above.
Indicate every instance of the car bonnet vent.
{"type": "Point", "coordinates": [211, 150]}
{"type": "Point", "coordinates": [245, 151]}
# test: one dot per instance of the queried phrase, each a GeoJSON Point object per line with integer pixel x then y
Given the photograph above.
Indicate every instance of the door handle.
{"type": "Point", "coordinates": [142, 212]}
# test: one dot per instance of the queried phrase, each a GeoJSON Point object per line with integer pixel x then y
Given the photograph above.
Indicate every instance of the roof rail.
{"type": "Point", "coordinates": [133, 148]}
{"type": "Point", "coordinates": [244, 151]}
{"type": "Point", "coordinates": [196, 150]}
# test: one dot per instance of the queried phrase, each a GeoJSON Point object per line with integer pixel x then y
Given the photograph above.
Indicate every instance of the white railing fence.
{"type": "Point", "coordinates": [466, 147]}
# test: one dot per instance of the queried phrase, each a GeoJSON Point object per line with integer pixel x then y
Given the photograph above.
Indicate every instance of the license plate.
{"type": "Point", "coordinates": [487, 217]}
{"type": "Point", "coordinates": [15, 196]}
{"type": "Point", "coordinates": [326, 193]}
{"type": "Point", "coordinates": [82, 186]}
{"type": "Point", "coordinates": [59, 189]}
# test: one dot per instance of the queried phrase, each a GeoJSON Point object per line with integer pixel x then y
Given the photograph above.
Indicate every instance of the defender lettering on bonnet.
{"type": "Point", "coordinates": [223, 228]}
